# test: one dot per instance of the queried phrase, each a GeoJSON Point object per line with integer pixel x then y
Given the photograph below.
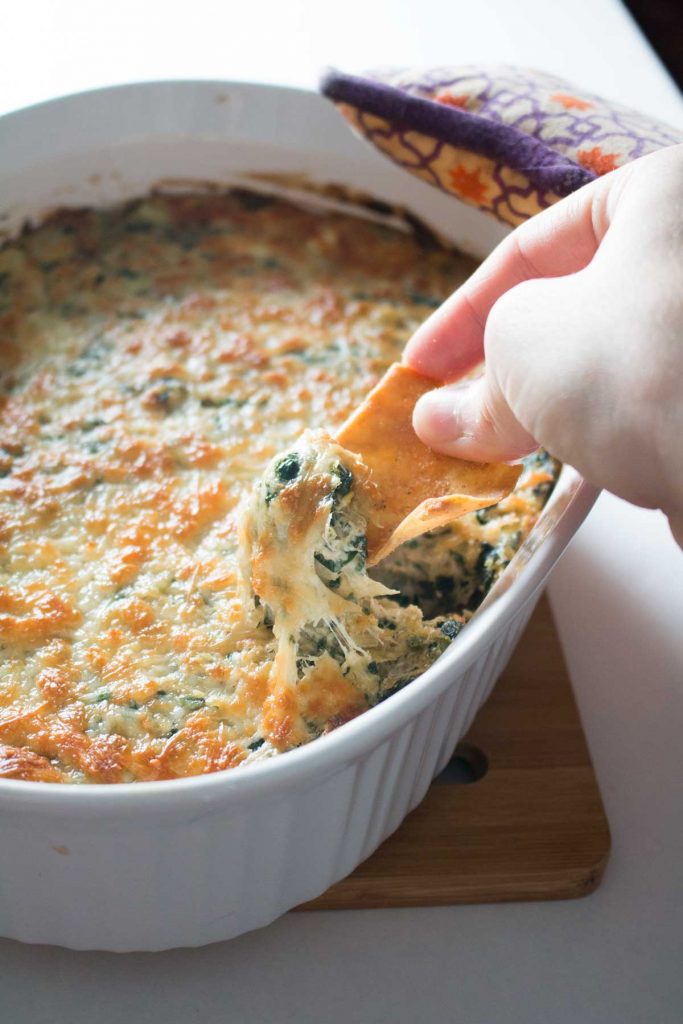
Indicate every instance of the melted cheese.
{"type": "Point", "coordinates": [153, 360]}
{"type": "Point", "coordinates": [342, 644]}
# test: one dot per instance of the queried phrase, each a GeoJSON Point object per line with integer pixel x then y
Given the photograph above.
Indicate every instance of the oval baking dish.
{"type": "Point", "coordinates": [196, 860]}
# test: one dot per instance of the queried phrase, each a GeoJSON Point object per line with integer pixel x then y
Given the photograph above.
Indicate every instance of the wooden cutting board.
{"type": "Point", "coordinates": [532, 827]}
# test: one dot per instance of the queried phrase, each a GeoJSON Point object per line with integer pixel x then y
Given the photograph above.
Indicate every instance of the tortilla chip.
{"type": "Point", "coordinates": [417, 489]}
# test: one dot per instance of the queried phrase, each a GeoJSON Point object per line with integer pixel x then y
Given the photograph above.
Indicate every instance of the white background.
{"type": "Point", "coordinates": [616, 956]}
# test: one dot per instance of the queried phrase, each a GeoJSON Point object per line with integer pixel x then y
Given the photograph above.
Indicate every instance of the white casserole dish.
{"type": "Point", "coordinates": [156, 865]}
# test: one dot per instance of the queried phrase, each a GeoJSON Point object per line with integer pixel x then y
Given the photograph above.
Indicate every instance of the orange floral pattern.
{"type": "Point", "coordinates": [453, 101]}
{"type": "Point", "coordinates": [595, 160]}
{"type": "Point", "coordinates": [571, 102]}
{"type": "Point", "coordinates": [468, 184]}
{"type": "Point", "coordinates": [506, 140]}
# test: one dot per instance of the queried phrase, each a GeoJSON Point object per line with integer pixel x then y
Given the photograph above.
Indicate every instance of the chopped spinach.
{"type": "Point", "coordinates": [217, 401]}
{"type": "Point", "coordinates": [252, 200]}
{"type": "Point", "coordinates": [288, 468]}
{"type": "Point", "coordinates": [91, 424]}
{"type": "Point", "coordinates": [166, 396]}
{"type": "Point", "coordinates": [92, 357]}
{"type": "Point", "coordinates": [345, 480]}
{"type": "Point", "coordinates": [450, 628]}
{"type": "Point", "coordinates": [328, 563]}
{"type": "Point", "coordinates": [193, 702]}
{"type": "Point", "coordinates": [444, 585]}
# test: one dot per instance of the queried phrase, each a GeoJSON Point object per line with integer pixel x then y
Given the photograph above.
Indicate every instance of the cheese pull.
{"type": "Point", "coordinates": [415, 488]}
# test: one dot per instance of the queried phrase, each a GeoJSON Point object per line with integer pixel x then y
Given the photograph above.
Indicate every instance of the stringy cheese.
{"type": "Point", "coordinates": [339, 636]}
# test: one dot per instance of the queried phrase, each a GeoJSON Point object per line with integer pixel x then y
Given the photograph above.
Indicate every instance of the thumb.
{"type": "Point", "coordinates": [471, 420]}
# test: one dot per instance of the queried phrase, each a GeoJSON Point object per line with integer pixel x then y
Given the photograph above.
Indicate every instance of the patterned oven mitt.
{"type": "Point", "coordinates": [506, 140]}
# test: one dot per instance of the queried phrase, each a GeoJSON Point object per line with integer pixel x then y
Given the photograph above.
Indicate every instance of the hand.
{"type": "Point", "coordinates": [579, 315]}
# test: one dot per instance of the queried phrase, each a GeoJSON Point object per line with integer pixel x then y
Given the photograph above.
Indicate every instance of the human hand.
{"type": "Point", "coordinates": [579, 314]}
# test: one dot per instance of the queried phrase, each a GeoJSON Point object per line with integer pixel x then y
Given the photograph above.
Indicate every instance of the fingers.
{"type": "Point", "coordinates": [471, 421]}
{"type": "Point", "coordinates": [582, 345]}
{"type": "Point", "coordinates": [533, 390]}
{"type": "Point", "coordinates": [559, 241]}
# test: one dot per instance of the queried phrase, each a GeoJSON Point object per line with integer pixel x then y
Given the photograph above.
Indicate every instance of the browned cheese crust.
{"type": "Point", "coordinates": [153, 360]}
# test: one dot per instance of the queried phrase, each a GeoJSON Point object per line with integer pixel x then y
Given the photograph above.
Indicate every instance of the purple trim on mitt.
{"type": "Point", "coordinates": [547, 170]}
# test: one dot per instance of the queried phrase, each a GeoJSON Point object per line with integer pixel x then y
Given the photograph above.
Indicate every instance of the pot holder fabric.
{"type": "Point", "coordinates": [506, 140]}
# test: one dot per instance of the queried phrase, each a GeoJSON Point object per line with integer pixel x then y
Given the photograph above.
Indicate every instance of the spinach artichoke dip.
{"type": "Point", "coordinates": [155, 361]}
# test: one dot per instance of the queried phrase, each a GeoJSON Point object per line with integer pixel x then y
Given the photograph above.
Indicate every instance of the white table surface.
{"type": "Point", "coordinates": [616, 956]}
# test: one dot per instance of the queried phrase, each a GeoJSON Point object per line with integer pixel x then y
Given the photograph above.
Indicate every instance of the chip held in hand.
{"type": "Point", "coordinates": [417, 489]}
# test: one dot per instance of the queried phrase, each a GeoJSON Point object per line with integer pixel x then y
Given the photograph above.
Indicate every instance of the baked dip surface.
{"type": "Point", "coordinates": [154, 359]}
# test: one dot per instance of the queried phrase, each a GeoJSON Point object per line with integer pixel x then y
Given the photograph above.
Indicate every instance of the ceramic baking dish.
{"type": "Point", "coordinates": [181, 863]}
